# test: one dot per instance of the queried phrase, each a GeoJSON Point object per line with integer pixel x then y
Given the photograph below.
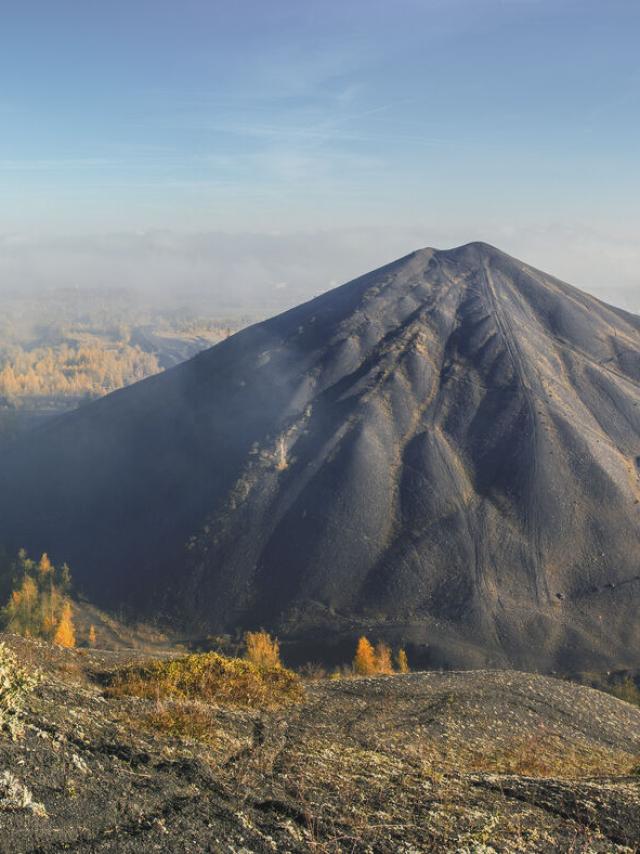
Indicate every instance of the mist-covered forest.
{"type": "Point", "coordinates": [68, 346]}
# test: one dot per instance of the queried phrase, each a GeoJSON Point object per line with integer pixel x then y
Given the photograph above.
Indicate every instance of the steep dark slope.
{"type": "Point", "coordinates": [446, 451]}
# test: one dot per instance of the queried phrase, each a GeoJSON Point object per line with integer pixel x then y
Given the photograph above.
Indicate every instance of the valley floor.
{"type": "Point", "coordinates": [455, 762]}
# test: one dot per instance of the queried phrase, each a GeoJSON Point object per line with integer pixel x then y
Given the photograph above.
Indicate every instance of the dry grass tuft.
{"type": "Point", "coordinates": [212, 677]}
{"type": "Point", "coordinates": [16, 684]}
{"type": "Point", "coordinates": [547, 754]}
{"type": "Point", "coordinates": [183, 719]}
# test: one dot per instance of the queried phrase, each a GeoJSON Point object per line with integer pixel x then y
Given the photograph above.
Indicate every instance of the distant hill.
{"type": "Point", "coordinates": [445, 451]}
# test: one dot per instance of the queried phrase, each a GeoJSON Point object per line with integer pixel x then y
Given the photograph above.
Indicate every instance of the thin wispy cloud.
{"type": "Point", "coordinates": [63, 164]}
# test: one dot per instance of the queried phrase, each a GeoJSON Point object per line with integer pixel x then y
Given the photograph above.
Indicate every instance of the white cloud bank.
{"type": "Point", "coordinates": [239, 271]}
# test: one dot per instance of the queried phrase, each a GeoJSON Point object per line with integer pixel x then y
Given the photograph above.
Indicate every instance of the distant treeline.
{"type": "Point", "coordinates": [73, 370]}
{"type": "Point", "coordinates": [97, 354]}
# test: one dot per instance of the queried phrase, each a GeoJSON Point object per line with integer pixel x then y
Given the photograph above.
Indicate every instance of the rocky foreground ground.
{"type": "Point", "coordinates": [462, 762]}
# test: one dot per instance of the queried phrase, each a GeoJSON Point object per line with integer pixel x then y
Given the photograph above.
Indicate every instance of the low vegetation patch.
{"type": "Point", "coordinates": [211, 677]}
{"type": "Point", "coordinates": [625, 685]}
{"type": "Point", "coordinates": [183, 719]}
{"type": "Point", "coordinates": [547, 754]}
{"type": "Point", "coordinates": [15, 685]}
{"type": "Point", "coordinates": [626, 690]}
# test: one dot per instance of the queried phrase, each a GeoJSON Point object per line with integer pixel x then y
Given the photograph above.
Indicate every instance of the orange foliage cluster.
{"type": "Point", "coordinates": [262, 649]}
{"type": "Point", "coordinates": [38, 605]}
{"type": "Point", "coordinates": [375, 661]}
{"type": "Point", "coordinates": [65, 634]}
{"type": "Point", "coordinates": [74, 370]}
{"type": "Point", "coordinates": [402, 661]}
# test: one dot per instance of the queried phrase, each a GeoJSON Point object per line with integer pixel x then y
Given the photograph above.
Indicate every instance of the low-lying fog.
{"type": "Point", "coordinates": [218, 272]}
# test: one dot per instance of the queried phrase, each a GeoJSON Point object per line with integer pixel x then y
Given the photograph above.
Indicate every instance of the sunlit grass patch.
{"type": "Point", "coordinates": [209, 676]}
{"type": "Point", "coordinates": [547, 754]}
{"type": "Point", "coordinates": [182, 719]}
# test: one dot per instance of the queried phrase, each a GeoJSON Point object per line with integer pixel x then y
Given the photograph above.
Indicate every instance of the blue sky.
{"type": "Point", "coordinates": [452, 119]}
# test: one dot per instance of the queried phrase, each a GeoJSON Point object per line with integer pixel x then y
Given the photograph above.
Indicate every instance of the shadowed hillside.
{"type": "Point", "coordinates": [445, 451]}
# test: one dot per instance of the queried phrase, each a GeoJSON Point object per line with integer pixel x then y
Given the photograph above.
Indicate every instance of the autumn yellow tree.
{"type": "Point", "coordinates": [8, 381]}
{"type": "Point", "coordinates": [44, 565]}
{"type": "Point", "coordinates": [49, 596]}
{"type": "Point", "coordinates": [262, 649]}
{"type": "Point", "coordinates": [65, 633]}
{"type": "Point", "coordinates": [402, 661]}
{"type": "Point", "coordinates": [36, 601]}
{"type": "Point", "coordinates": [92, 635]}
{"type": "Point", "coordinates": [364, 664]}
{"type": "Point", "coordinates": [21, 612]}
{"type": "Point", "coordinates": [64, 578]}
{"type": "Point", "coordinates": [50, 608]}
{"type": "Point", "coordinates": [383, 661]}
{"type": "Point", "coordinates": [75, 369]}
